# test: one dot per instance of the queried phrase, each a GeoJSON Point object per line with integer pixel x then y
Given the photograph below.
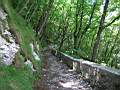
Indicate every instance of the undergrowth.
{"type": "Point", "coordinates": [16, 79]}
{"type": "Point", "coordinates": [12, 78]}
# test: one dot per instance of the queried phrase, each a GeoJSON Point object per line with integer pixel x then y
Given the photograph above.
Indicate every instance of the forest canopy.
{"type": "Point", "coordinates": [88, 29]}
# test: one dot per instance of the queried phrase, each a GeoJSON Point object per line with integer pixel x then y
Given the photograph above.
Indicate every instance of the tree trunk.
{"type": "Point", "coordinates": [43, 19]}
{"type": "Point", "coordinates": [113, 46]}
{"type": "Point", "coordinates": [27, 2]}
{"type": "Point", "coordinates": [101, 26]}
{"type": "Point", "coordinates": [78, 27]}
{"type": "Point", "coordinates": [64, 32]}
{"type": "Point", "coordinates": [88, 25]}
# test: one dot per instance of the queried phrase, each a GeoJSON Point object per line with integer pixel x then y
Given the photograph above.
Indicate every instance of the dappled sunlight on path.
{"type": "Point", "coordinates": [57, 76]}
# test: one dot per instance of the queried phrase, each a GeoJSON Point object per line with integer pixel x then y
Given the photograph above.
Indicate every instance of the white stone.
{"type": "Point", "coordinates": [7, 49]}
{"type": "Point", "coordinates": [2, 14]}
{"type": "Point", "coordinates": [34, 53]}
{"type": "Point", "coordinates": [29, 63]}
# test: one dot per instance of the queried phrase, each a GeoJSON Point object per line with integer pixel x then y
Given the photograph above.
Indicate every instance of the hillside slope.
{"type": "Point", "coordinates": [20, 74]}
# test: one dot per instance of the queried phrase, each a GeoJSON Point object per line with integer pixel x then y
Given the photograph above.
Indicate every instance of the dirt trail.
{"type": "Point", "coordinates": [57, 76]}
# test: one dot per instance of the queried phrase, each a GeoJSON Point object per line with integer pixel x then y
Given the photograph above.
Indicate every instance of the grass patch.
{"type": "Point", "coordinates": [15, 79]}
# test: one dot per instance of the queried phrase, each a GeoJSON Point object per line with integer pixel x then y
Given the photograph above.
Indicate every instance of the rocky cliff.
{"type": "Point", "coordinates": [8, 46]}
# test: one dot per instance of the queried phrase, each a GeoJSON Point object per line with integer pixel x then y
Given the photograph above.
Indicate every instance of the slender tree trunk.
{"type": "Point", "coordinates": [81, 22]}
{"type": "Point", "coordinates": [88, 25]}
{"type": "Point", "coordinates": [29, 19]}
{"type": "Point", "coordinates": [43, 19]}
{"type": "Point", "coordinates": [18, 5]}
{"type": "Point", "coordinates": [78, 27]}
{"type": "Point", "coordinates": [24, 7]}
{"type": "Point", "coordinates": [64, 32]}
{"type": "Point", "coordinates": [29, 11]}
{"type": "Point", "coordinates": [97, 41]}
{"type": "Point", "coordinates": [113, 46]}
{"type": "Point", "coordinates": [59, 34]}
{"type": "Point", "coordinates": [107, 47]}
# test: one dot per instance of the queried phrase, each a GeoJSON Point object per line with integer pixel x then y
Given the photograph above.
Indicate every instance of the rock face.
{"type": "Point", "coordinates": [8, 47]}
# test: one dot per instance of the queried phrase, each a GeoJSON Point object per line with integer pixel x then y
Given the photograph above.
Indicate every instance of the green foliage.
{"type": "Point", "coordinates": [70, 28]}
{"type": "Point", "coordinates": [64, 11]}
{"type": "Point", "coordinates": [24, 31]}
{"type": "Point", "coordinates": [21, 78]}
{"type": "Point", "coordinates": [30, 10]}
{"type": "Point", "coordinates": [15, 79]}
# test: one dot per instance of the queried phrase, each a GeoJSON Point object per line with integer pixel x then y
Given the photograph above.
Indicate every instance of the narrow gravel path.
{"type": "Point", "coordinates": [57, 76]}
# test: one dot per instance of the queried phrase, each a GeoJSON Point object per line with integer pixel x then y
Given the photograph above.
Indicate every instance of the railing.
{"type": "Point", "coordinates": [100, 77]}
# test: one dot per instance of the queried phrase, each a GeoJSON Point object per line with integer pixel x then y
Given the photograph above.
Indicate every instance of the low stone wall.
{"type": "Point", "coordinates": [100, 77]}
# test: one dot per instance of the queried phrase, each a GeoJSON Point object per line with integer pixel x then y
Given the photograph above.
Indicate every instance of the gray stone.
{"type": "Point", "coordinates": [7, 49]}
{"type": "Point", "coordinates": [100, 77]}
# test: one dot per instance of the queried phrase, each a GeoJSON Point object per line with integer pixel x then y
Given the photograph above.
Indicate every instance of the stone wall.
{"type": "Point", "coordinates": [100, 77]}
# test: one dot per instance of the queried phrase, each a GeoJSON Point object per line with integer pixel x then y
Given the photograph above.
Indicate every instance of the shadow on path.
{"type": "Point", "coordinates": [57, 76]}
